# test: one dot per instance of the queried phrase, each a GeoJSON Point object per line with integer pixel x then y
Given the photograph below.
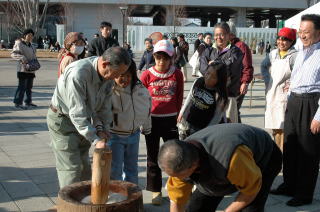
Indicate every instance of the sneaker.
{"type": "Point", "coordinates": [294, 202]}
{"type": "Point", "coordinates": [31, 105]}
{"type": "Point", "coordinates": [282, 190]}
{"type": "Point", "coordinates": [156, 198]}
{"type": "Point", "coordinates": [20, 107]}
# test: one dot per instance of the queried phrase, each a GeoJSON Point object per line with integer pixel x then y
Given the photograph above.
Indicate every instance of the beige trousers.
{"type": "Point", "coordinates": [278, 137]}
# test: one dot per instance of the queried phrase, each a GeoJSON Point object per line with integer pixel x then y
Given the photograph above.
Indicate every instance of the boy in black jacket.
{"type": "Point", "coordinates": [104, 42]}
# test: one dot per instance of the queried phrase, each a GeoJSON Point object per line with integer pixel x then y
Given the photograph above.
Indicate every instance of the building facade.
{"type": "Point", "coordinates": [86, 15]}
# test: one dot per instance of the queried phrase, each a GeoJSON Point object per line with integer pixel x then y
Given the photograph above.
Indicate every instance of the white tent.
{"type": "Point", "coordinates": [294, 22]}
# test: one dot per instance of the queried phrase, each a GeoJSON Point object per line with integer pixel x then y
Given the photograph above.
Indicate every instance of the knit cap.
{"type": "Point", "coordinates": [288, 33]}
{"type": "Point", "coordinates": [70, 39]}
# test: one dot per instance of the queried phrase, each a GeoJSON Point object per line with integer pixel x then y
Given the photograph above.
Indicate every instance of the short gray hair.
{"type": "Point", "coordinates": [222, 25]}
{"type": "Point", "coordinates": [117, 56]}
{"type": "Point", "coordinates": [233, 29]}
{"type": "Point", "coordinates": [177, 155]}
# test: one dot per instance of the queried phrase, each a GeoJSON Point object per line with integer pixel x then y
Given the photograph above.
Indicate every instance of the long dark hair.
{"type": "Point", "coordinates": [222, 81]}
{"type": "Point", "coordinates": [175, 42]}
{"type": "Point", "coordinates": [133, 71]}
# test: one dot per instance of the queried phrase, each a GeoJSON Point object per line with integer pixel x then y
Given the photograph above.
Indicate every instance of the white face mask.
{"type": "Point", "coordinates": [76, 50]}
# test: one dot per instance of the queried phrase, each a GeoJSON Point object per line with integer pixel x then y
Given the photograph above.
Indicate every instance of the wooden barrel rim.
{"type": "Point", "coordinates": [132, 191]}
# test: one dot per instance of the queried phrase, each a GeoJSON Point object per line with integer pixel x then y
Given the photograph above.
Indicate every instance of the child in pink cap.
{"type": "Point", "coordinates": [165, 85]}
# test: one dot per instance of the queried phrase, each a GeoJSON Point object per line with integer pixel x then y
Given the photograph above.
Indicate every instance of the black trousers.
{"type": "Point", "coordinates": [165, 128]}
{"type": "Point", "coordinates": [24, 87]}
{"type": "Point", "coordinates": [200, 202]}
{"type": "Point", "coordinates": [301, 150]}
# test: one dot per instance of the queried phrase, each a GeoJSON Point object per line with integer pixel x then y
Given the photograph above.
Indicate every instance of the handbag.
{"type": "Point", "coordinates": [195, 61]}
{"type": "Point", "coordinates": [33, 65]}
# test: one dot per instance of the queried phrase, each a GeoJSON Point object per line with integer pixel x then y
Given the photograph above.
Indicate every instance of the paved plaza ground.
{"type": "Point", "coordinates": [28, 179]}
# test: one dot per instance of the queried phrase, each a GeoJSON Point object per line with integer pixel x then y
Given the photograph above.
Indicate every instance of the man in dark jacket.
{"type": "Point", "coordinates": [198, 41]}
{"type": "Point", "coordinates": [184, 47]}
{"type": "Point", "coordinates": [147, 57]}
{"type": "Point", "coordinates": [220, 160]}
{"type": "Point", "coordinates": [102, 43]}
{"type": "Point", "coordinates": [224, 51]}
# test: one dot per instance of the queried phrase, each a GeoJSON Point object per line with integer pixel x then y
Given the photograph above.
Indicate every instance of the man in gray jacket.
{"type": "Point", "coordinates": [80, 112]}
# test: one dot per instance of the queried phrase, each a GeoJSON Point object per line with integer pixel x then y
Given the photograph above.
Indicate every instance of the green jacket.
{"type": "Point", "coordinates": [82, 95]}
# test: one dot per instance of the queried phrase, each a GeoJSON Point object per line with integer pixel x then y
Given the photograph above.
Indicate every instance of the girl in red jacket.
{"type": "Point", "coordinates": [165, 85]}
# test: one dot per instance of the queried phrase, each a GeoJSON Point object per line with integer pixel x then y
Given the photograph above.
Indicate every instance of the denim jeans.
{"type": "Point", "coordinates": [125, 157]}
{"type": "Point", "coordinates": [25, 86]}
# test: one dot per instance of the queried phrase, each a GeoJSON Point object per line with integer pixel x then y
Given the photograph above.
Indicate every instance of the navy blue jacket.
{"type": "Point", "coordinates": [147, 59]}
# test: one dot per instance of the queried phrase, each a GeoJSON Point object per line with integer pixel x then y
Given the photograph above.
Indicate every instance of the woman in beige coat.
{"type": "Point", "coordinates": [279, 63]}
{"type": "Point", "coordinates": [24, 53]}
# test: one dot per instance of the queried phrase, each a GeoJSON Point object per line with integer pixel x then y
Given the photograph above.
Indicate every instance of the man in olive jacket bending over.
{"type": "Point", "coordinates": [220, 160]}
{"type": "Point", "coordinates": [80, 112]}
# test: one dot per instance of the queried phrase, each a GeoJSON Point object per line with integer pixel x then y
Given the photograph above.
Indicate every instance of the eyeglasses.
{"type": "Point", "coordinates": [161, 57]}
{"type": "Point", "coordinates": [221, 35]}
{"type": "Point", "coordinates": [302, 33]}
{"type": "Point", "coordinates": [283, 38]}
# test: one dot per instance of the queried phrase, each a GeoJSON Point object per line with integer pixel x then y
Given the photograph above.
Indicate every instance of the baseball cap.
{"type": "Point", "coordinates": [288, 33]}
{"type": "Point", "coordinates": [164, 46]}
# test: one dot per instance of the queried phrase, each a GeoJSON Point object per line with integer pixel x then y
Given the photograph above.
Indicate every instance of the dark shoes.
{"type": "Point", "coordinates": [27, 106]}
{"type": "Point", "coordinates": [294, 202]}
{"type": "Point", "coordinates": [298, 202]}
{"type": "Point", "coordinates": [20, 107]}
{"type": "Point", "coordinates": [282, 190]}
{"type": "Point", "coordinates": [31, 105]}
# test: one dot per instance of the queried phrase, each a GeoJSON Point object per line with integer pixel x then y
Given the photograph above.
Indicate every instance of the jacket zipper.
{"type": "Point", "coordinates": [134, 111]}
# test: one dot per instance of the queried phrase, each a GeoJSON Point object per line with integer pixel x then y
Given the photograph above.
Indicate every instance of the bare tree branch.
{"type": "Point", "coordinates": [68, 15]}
{"type": "Point", "coordinates": [29, 14]}
{"type": "Point", "coordinates": [178, 11]}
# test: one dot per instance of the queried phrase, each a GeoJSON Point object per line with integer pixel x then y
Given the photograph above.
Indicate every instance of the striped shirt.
{"type": "Point", "coordinates": [305, 76]}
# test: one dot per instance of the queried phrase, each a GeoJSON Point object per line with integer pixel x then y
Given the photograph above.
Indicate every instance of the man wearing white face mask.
{"type": "Point", "coordinates": [73, 46]}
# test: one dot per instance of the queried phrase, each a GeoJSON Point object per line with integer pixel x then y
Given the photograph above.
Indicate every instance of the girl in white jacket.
{"type": "Point", "coordinates": [131, 104]}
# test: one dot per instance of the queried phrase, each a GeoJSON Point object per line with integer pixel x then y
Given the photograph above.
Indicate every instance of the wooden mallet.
{"type": "Point", "coordinates": [101, 168]}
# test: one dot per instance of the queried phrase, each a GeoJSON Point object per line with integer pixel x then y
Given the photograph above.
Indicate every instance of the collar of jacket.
{"type": "Point", "coordinates": [96, 76]}
{"type": "Point", "coordinates": [117, 89]}
{"type": "Point", "coordinates": [225, 49]}
{"type": "Point", "coordinates": [289, 52]}
{"type": "Point", "coordinates": [235, 40]}
{"type": "Point", "coordinates": [312, 47]}
{"type": "Point", "coordinates": [150, 50]}
{"type": "Point", "coordinates": [106, 39]}
{"type": "Point", "coordinates": [25, 43]}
